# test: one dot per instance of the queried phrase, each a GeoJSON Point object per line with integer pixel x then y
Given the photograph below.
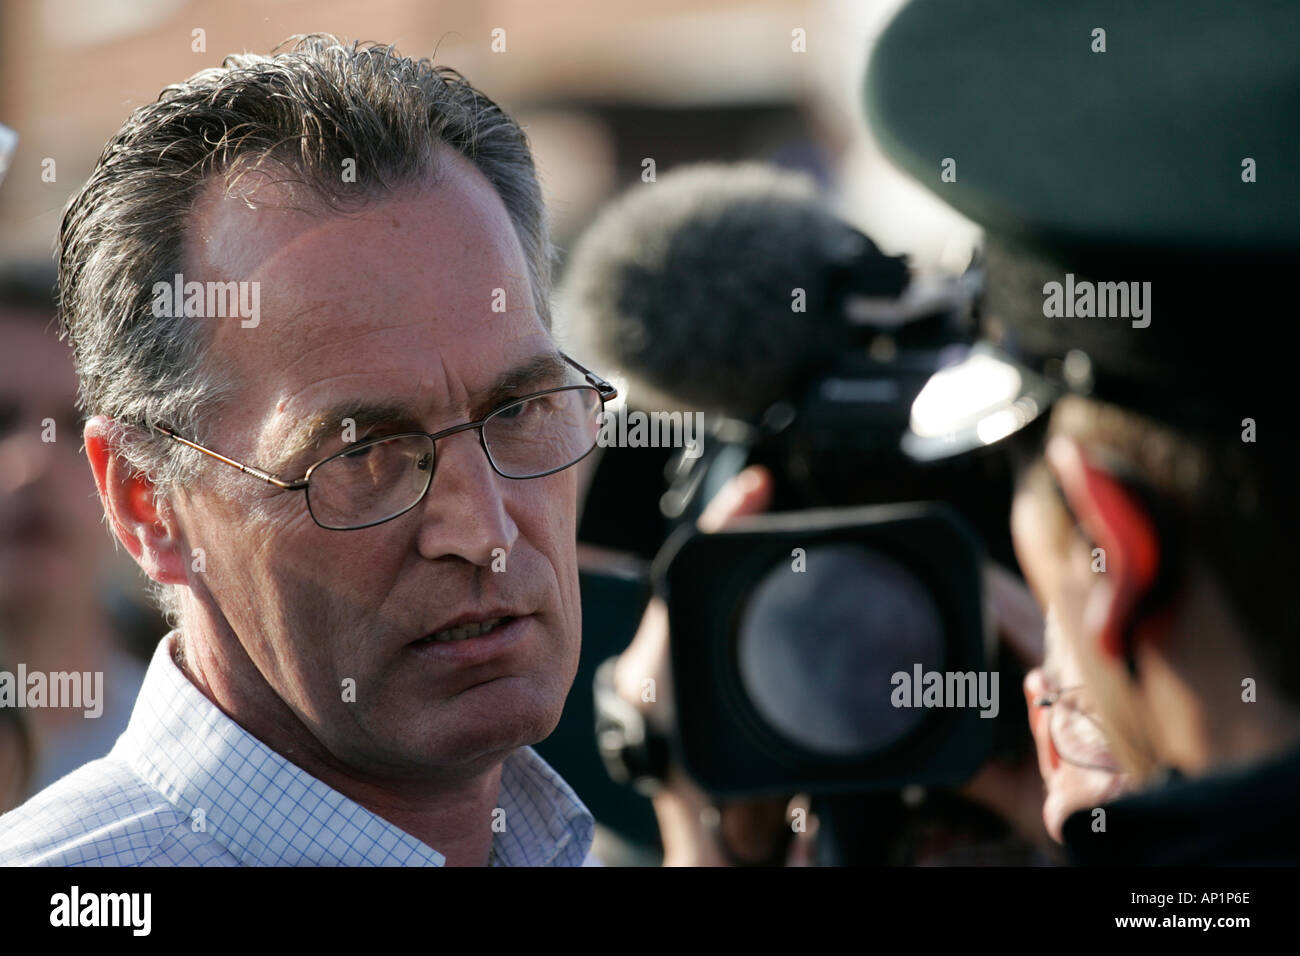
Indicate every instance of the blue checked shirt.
{"type": "Point", "coordinates": [187, 786]}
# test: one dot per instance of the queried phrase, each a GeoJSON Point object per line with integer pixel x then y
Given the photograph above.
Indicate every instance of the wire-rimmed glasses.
{"type": "Point", "coordinates": [379, 479]}
{"type": "Point", "coordinates": [1076, 732]}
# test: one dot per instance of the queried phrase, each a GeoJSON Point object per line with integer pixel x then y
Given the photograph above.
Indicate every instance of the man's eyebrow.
{"type": "Point", "coordinates": [538, 371]}
{"type": "Point", "coordinates": [361, 415]}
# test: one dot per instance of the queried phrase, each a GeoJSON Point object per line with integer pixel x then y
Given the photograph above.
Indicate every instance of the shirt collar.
{"type": "Point", "coordinates": [267, 811]}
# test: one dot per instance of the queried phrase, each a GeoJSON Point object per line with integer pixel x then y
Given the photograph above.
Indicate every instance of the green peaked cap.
{"type": "Point", "coordinates": [1154, 142]}
{"type": "Point", "coordinates": [1141, 144]}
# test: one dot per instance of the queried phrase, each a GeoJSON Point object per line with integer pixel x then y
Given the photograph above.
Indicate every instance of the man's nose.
{"type": "Point", "coordinates": [465, 512]}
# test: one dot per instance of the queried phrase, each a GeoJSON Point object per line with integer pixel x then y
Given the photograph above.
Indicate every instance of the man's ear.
{"type": "Point", "coordinates": [1120, 524]}
{"type": "Point", "coordinates": [132, 510]}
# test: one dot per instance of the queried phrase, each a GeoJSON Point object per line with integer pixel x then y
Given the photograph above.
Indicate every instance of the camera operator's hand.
{"type": "Point", "coordinates": [1013, 790]}
{"type": "Point", "coordinates": [690, 824]}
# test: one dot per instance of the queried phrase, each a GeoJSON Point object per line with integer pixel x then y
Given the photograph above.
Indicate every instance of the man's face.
{"type": "Point", "coordinates": [1073, 778]}
{"type": "Point", "coordinates": [1059, 566]}
{"type": "Point", "coordinates": [389, 308]}
{"type": "Point", "coordinates": [52, 544]}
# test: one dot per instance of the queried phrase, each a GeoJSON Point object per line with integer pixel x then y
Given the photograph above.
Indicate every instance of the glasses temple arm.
{"type": "Point", "coordinates": [607, 391]}
{"type": "Point", "coordinates": [246, 469]}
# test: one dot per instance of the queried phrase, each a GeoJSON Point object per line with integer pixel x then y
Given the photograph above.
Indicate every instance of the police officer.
{"type": "Point", "coordinates": [1135, 169]}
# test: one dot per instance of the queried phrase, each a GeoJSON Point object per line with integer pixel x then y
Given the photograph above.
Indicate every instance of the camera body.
{"type": "Point", "coordinates": [801, 638]}
{"type": "Point", "coordinates": [794, 633]}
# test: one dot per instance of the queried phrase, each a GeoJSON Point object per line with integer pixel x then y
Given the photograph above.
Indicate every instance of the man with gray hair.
{"type": "Point", "coordinates": [320, 468]}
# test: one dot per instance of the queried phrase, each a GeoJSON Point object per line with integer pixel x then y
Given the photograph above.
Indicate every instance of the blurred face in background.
{"type": "Point", "coordinates": [1058, 561]}
{"type": "Point", "coordinates": [51, 540]}
{"type": "Point", "coordinates": [1077, 725]}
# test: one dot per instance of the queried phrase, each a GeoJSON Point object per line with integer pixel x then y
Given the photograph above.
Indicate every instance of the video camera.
{"type": "Point", "coordinates": [803, 640]}
{"type": "Point", "coordinates": [799, 637]}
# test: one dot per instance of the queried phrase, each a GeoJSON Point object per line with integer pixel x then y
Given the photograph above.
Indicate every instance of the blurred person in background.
{"type": "Point", "coordinates": [55, 557]}
{"type": "Point", "coordinates": [1158, 525]}
{"type": "Point", "coordinates": [16, 757]}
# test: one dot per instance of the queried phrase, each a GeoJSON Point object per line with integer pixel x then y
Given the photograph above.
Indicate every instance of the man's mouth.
{"type": "Point", "coordinates": [463, 632]}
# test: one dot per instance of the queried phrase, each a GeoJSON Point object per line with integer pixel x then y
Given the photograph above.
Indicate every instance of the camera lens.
{"type": "Point", "coordinates": [816, 648]}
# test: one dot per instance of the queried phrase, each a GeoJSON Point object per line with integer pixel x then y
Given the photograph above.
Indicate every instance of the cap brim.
{"type": "Point", "coordinates": [978, 402]}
